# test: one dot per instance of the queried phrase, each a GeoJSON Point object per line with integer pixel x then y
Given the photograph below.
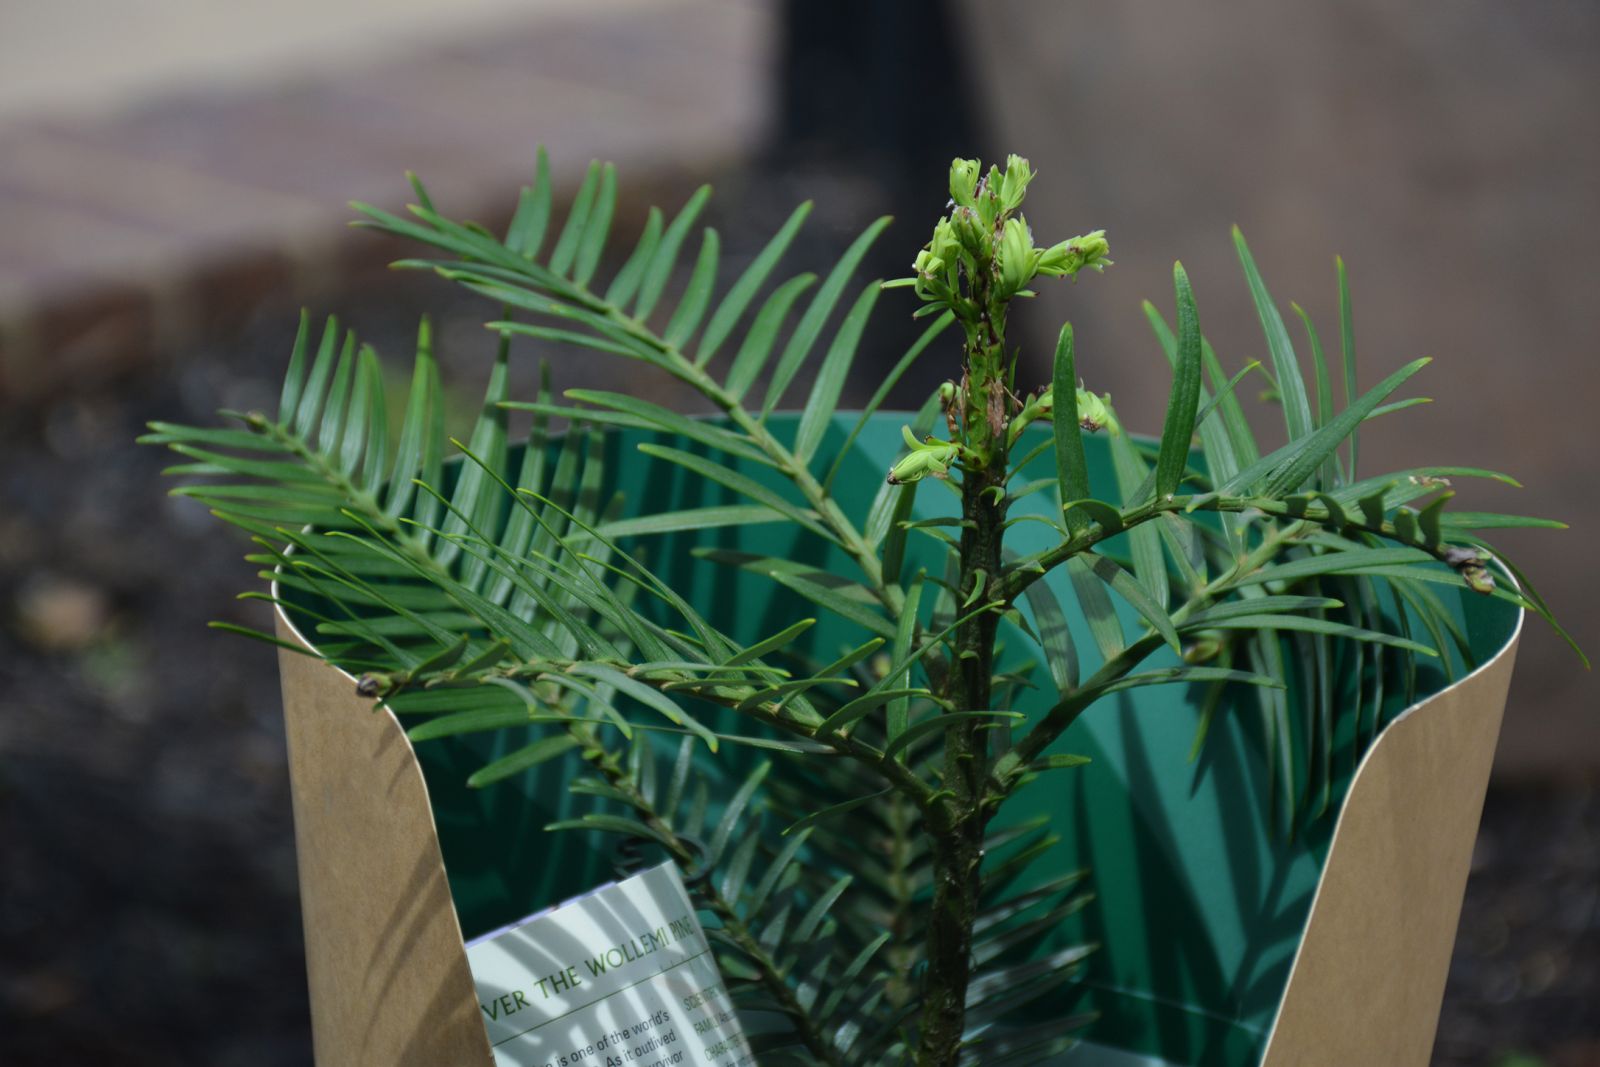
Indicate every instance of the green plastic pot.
{"type": "Point", "coordinates": [1221, 941]}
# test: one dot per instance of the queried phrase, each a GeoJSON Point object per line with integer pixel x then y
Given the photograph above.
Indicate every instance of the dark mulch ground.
{"type": "Point", "coordinates": [148, 905]}
{"type": "Point", "coordinates": [1526, 974]}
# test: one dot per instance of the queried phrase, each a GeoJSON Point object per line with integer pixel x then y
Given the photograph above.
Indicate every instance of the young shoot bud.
{"type": "Point", "coordinates": [1015, 183]}
{"type": "Point", "coordinates": [1040, 405]}
{"type": "Point", "coordinates": [986, 198]}
{"type": "Point", "coordinates": [1018, 257]}
{"type": "Point", "coordinates": [973, 234]}
{"type": "Point", "coordinates": [374, 684]}
{"type": "Point", "coordinates": [1468, 563]}
{"type": "Point", "coordinates": [963, 180]}
{"type": "Point", "coordinates": [945, 246]}
{"type": "Point", "coordinates": [1069, 257]}
{"type": "Point", "coordinates": [931, 457]}
{"type": "Point", "coordinates": [1094, 412]}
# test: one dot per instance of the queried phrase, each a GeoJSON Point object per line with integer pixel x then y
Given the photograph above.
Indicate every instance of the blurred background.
{"type": "Point", "coordinates": [173, 175]}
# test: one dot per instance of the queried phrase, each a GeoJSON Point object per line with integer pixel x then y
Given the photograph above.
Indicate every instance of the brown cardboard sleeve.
{"type": "Point", "coordinates": [388, 971]}
{"type": "Point", "coordinates": [1369, 974]}
{"type": "Point", "coordinates": [385, 963]}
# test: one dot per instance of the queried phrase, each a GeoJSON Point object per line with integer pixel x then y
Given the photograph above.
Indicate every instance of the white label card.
{"type": "Point", "coordinates": [619, 977]}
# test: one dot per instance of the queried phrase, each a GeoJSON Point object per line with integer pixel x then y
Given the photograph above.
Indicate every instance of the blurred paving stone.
{"type": "Point", "coordinates": [57, 613]}
{"type": "Point", "coordinates": [129, 233]}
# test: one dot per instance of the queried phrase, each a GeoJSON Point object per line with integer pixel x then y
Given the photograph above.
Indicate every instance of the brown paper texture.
{"type": "Point", "coordinates": [388, 974]}
{"type": "Point", "coordinates": [1369, 976]}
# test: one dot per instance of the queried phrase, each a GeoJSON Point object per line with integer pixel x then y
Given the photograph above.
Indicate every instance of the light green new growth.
{"type": "Point", "coordinates": [513, 591]}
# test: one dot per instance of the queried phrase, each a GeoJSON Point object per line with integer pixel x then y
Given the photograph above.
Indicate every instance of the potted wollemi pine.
{"type": "Point", "coordinates": [984, 733]}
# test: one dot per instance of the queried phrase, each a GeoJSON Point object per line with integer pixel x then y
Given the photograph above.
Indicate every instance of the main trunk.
{"type": "Point", "coordinates": [958, 828]}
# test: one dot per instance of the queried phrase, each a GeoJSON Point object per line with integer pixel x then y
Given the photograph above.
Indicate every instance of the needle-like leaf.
{"type": "Point", "coordinates": [1072, 468]}
{"type": "Point", "coordinates": [1184, 401]}
{"type": "Point", "coordinates": [809, 328]}
{"type": "Point", "coordinates": [743, 291]}
{"type": "Point", "coordinates": [829, 384]}
{"type": "Point", "coordinates": [1291, 385]}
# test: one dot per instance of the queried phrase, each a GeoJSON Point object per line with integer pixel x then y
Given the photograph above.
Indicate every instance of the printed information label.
{"type": "Point", "coordinates": [619, 977]}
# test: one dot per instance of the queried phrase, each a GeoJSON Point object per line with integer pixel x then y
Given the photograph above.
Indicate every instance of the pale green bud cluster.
{"type": "Point", "coordinates": [983, 251]}
{"type": "Point", "coordinates": [981, 256]}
